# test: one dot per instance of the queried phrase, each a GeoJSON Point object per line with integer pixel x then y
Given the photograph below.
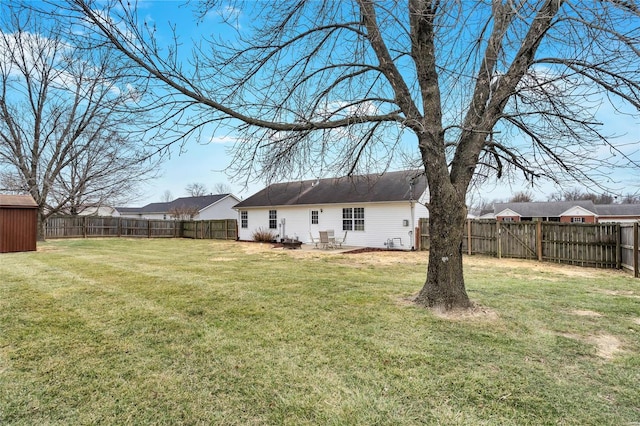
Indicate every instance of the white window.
{"type": "Point", "coordinates": [353, 219]}
{"type": "Point", "coordinates": [244, 219]}
{"type": "Point", "coordinates": [273, 219]}
{"type": "Point", "coordinates": [577, 220]}
{"type": "Point", "coordinates": [314, 217]}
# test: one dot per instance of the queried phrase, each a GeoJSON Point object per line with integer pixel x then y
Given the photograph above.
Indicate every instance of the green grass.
{"type": "Point", "coordinates": [172, 332]}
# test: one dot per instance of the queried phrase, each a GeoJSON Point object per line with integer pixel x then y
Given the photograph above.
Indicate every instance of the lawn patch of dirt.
{"type": "Point", "coordinates": [607, 345]}
{"type": "Point", "coordinates": [586, 313]}
{"type": "Point", "coordinates": [475, 313]}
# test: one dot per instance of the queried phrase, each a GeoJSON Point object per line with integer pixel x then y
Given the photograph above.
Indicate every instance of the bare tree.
{"type": "Point", "coordinates": [521, 197]}
{"type": "Point", "coordinates": [196, 189]}
{"type": "Point", "coordinates": [184, 212]}
{"type": "Point", "coordinates": [63, 125]}
{"type": "Point", "coordinates": [484, 88]}
{"type": "Point", "coordinates": [576, 194]}
{"type": "Point", "coordinates": [630, 199]}
{"type": "Point", "coordinates": [221, 188]}
{"type": "Point", "coordinates": [167, 196]}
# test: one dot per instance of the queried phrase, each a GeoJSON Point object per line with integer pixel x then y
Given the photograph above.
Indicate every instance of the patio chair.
{"type": "Point", "coordinates": [314, 240]}
{"type": "Point", "coordinates": [325, 242]}
{"type": "Point", "coordinates": [341, 241]}
{"type": "Point", "coordinates": [332, 237]}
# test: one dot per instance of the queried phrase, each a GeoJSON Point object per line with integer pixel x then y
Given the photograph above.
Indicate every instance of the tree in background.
{"type": "Point", "coordinates": [630, 199]}
{"type": "Point", "coordinates": [196, 189]}
{"type": "Point", "coordinates": [521, 197]}
{"type": "Point", "coordinates": [575, 194]}
{"type": "Point", "coordinates": [184, 212]}
{"type": "Point", "coordinates": [221, 188]}
{"type": "Point", "coordinates": [167, 196]}
{"type": "Point", "coordinates": [483, 89]}
{"type": "Point", "coordinates": [64, 117]}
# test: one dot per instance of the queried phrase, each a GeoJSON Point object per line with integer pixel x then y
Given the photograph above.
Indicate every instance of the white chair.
{"type": "Point", "coordinates": [313, 240]}
{"type": "Point", "coordinates": [341, 241]}
{"type": "Point", "coordinates": [332, 237]}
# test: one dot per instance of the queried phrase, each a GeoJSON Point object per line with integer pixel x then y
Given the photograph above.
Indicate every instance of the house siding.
{"type": "Point", "coordinates": [383, 221]}
{"type": "Point", "coordinates": [223, 209]}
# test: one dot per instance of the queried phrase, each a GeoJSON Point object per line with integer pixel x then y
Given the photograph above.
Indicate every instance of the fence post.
{"type": "Point", "coordinates": [539, 240]}
{"type": "Point", "coordinates": [499, 240]}
{"type": "Point", "coordinates": [469, 250]}
{"type": "Point", "coordinates": [618, 247]}
{"type": "Point", "coordinates": [84, 226]}
{"type": "Point", "coordinates": [636, 252]}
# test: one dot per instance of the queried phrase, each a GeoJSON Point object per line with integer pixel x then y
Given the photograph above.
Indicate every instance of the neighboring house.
{"type": "Point", "coordinates": [375, 210]}
{"type": "Point", "coordinates": [207, 207]}
{"type": "Point", "coordinates": [581, 211]}
{"type": "Point", "coordinates": [618, 212]}
{"type": "Point", "coordinates": [98, 210]}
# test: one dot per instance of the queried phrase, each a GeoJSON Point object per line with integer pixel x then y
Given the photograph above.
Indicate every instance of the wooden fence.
{"type": "Point", "coordinates": [604, 245]}
{"type": "Point", "coordinates": [210, 229]}
{"type": "Point", "coordinates": [98, 226]}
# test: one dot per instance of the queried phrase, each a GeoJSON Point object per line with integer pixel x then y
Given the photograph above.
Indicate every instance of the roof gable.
{"type": "Point", "coordinates": [577, 211]}
{"type": "Point", "coordinates": [507, 212]}
{"type": "Point", "coordinates": [392, 186]}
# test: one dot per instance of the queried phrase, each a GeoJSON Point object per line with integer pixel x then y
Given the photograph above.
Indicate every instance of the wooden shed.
{"type": "Point", "coordinates": [18, 223]}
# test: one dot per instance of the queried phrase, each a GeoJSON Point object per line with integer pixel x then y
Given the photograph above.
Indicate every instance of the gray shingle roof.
{"type": "Point", "coordinates": [544, 209]}
{"type": "Point", "coordinates": [618, 209]}
{"type": "Point", "coordinates": [179, 203]}
{"type": "Point", "coordinates": [390, 186]}
{"type": "Point", "coordinates": [556, 208]}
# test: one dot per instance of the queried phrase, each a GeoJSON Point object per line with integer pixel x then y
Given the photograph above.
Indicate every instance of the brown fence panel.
{"type": "Point", "coordinates": [517, 240]}
{"type": "Point", "coordinates": [222, 229]}
{"type": "Point", "coordinates": [64, 227]}
{"type": "Point", "coordinates": [605, 245]}
{"type": "Point", "coordinates": [582, 244]}
{"type": "Point", "coordinates": [99, 226]}
{"type": "Point", "coordinates": [483, 237]}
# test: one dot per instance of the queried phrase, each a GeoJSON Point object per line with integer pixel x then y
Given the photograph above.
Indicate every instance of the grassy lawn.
{"type": "Point", "coordinates": [144, 331]}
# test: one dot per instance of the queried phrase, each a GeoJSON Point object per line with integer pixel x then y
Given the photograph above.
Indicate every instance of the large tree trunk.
{"type": "Point", "coordinates": [41, 226]}
{"type": "Point", "coordinates": [444, 287]}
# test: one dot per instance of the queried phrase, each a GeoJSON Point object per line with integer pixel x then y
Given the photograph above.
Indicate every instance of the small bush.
{"type": "Point", "coordinates": [263, 235]}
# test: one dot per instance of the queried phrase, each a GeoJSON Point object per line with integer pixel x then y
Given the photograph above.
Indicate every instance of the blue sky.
{"type": "Point", "coordinates": [205, 162]}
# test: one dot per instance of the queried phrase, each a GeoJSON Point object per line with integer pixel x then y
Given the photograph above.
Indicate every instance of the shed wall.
{"type": "Point", "coordinates": [18, 229]}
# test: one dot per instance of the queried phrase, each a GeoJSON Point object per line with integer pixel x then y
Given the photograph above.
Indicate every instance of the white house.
{"type": "Point", "coordinates": [208, 207]}
{"type": "Point", "coordinates": [375, 210]}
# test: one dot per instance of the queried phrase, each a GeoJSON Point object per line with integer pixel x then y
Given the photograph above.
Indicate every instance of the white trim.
{"type": "Point", "coordinates": [507, 212]}
{"type": "Point", "coordinates": [578, 211]}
